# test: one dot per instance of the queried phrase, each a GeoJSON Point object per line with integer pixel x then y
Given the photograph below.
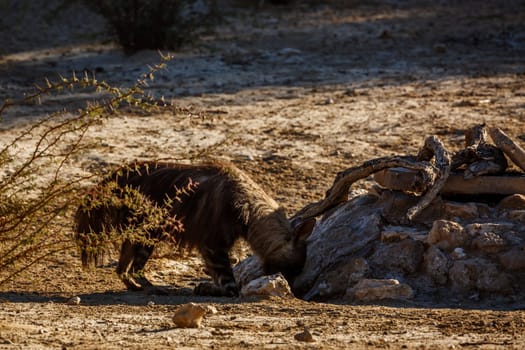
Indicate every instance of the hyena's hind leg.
{"type": "Point", "coordinates": [130, 268]}
{"type": "Point", "coordinates": [218, 266]}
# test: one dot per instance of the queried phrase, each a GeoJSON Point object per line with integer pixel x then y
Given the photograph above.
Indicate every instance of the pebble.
{"type": "Point", "coordinates": [189, 315]}
{"type": "Point", "coordinates": [305, 336]}
{"type": "Point", "coordinates": [329, 101]}
{"type": "Point", "coordinates": [74, 300]}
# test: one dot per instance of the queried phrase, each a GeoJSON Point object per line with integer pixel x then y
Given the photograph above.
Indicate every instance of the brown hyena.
{"type": "Point", "coordinates": [222, 205]}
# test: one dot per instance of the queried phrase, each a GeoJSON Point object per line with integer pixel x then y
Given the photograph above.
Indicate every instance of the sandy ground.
{"type": "Point", "coordinates": [292, 97]}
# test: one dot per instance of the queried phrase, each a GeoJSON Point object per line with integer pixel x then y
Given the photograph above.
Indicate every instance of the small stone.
{"type": "Point", "coordinates": [460, 210]}
{"type": "Point", "coordinates": [492, 279]}
{"type": "Point", "coordinates": [150, 303]}
{"type": "Point", "coordinates": [405, 255]}
{"type": "Point", "coordinates": [513, 202]}
{"type": "Point", "coordinates": [273, 285]}
{"type": "Point", "coordinates": [436, 264]}
{"type": "Point", "coordinates": [399, 233]}
{"type": "Point", "coordinates": [378, 289]}
{"type": "Point", "coordinates": [446, 235]}
{"type": "Point", "coordinates": [489, 242]}
{"type": "Point", "coordinates": [329, 101]}
{"type": "Point", "coordinates": [463, 274]}
{"type": "Point", "coordinates": [74, 300]}
{"type": "Point", "coordinates": [210, 309]}
{"type": "Point", "coordinates": [513, 259]}
{"type": "Point", "coordinates": [515, 215]}
{"type": "Point", "coordinates": [189, 315]}
{"type": "Point", "coordinates": [476, 229]}
{"type": "Point", "coordinates": [458, 254]}
{"type": "Point", "coordinates": [305, 336]}
{"type": "Point", "coordinates": [337, 280]}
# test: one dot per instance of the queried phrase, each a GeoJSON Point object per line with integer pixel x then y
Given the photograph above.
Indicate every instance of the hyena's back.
{"type": "Point", "coordinates": [207, 209]}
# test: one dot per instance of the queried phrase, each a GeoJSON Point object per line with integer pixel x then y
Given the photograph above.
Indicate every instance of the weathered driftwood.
{"type": "Point", "coordinates": [432, 148]}
{"type": "Point", "coordinates": [509, 147]}
{"type": "Point", "coordinates": [434, 176]}
{"type": "Point", "coordinates": [480, 157]}
{"type": "Point", "coordinates": [401, 179]}
{"type": "Point", "coordinates": [338, 193]}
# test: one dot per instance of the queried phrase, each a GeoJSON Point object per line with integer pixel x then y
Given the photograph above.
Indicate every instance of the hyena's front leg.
{"type": "Point", "coordinates": [133, 258]}
{"type": "Point", "coordinates": [218, 266]}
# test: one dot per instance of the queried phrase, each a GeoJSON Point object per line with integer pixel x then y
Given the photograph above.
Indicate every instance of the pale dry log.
{"type": "Point", "coordinates": [509, 147]}
{"type": "Point", "coordinates": [338, 193]}
{"type": "Point", "coordinates": [433, 148]}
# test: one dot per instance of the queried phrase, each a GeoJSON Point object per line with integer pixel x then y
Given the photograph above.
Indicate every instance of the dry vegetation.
{"type": "Point", "coordinates": [291, 96]}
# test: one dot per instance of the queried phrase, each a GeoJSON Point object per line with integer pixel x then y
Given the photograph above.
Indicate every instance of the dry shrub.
{"type": "Point", "coordinates": [153, 24]}
{"type": "Point", "coordinates": [35, 194]}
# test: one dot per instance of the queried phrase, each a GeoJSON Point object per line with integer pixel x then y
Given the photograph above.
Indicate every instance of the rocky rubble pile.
{"type": "Point", "coordinates": [362, 251]}
{"type": "Point", "coordinates": [435, 227]}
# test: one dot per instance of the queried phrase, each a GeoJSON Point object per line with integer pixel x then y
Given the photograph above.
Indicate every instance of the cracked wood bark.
{"type": "Point", "coordinates": [480, 157]}
{"type": "Point", "coordinates": [338, 193]}
{"type": "Point", "coordinates": [433, 148]}
{"type": "Point", "coordinates": [509, 147]}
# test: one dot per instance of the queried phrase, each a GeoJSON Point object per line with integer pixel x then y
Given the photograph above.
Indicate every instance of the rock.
{"type": "Point", "coordinates": [273, 285]}
{"type": "Point", "coordinates": [335, 282]}
{"type": "Point", "coordinates": [189, 315]}
{"type": "Point", "coordinates": [499, 228]}
{"type": "Point", "coordinates": [305, 336]}
{"type": "Point", "coordinates": [489, 237]}
{"type": "Point", "coordinates": [379, 289]}
{"type": "Point", "coordinates": [513, 259]}
{"type": "Point", "coordinates": [399, 233]}
{"type": "Point", "coordinates": [447, 235]}
{"type": "Point", "coordinates": [491, 279]}
{"type": "Point", "coordinates": [405, 255]}
{"type": "Point", "coordinates": [477, 273]}
{"type": "Point", "coordinates": [210, 309]}
{"type": "Point", "coordinates": [337, 238]}
{"type": "Point", "coordinates": [513, 202]}
{"type": "Point", "coordinates": [489, 242]}
{"type": "Point", "coordinates": [463, 274]}
{"type": "Point", "coordinates": [514, 215]}
{"type": "Point", "coordinates": [328, 101]}
{"type": "Point", "coordinates": [458, 254]}
{"type": "Point", "coordinates": [74, 300]}
{"type": "Point", "coordinates": [248, 270]}
{"type": "Point", "coordinates": [456, 210]}
{"type": "Point", "coordinates": [395, 205]}
{"type": "Point", "coordinates": [436, 265]}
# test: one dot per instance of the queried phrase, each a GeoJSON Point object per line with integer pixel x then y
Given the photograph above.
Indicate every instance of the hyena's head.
{"type": "Point", "coordinates": [290, 256]}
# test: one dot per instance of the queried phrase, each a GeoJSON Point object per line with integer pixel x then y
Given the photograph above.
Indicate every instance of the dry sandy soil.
{"type": "Point", "coordinates": [291, 96]}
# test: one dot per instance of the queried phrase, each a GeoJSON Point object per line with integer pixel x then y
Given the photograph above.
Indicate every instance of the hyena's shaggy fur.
{"type": "Point", "coordinates": [225, 204]}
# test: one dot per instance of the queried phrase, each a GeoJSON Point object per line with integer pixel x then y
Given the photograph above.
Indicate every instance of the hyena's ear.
{"type": "Point", "coordinates": [302, 228]}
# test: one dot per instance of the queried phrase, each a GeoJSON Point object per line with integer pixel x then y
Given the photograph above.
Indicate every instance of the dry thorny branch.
{"type": "Point", "coordinates": [34, 194]}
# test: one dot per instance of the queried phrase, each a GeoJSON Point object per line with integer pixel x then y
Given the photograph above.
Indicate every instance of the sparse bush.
{"type": "Point", "coordinates": [34, 193]}
{"type": "Point", "coordinates": [152, 24]}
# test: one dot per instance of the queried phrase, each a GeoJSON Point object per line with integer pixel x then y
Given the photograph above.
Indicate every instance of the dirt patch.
{"type": "Point", "coordinates": [292, 97]}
